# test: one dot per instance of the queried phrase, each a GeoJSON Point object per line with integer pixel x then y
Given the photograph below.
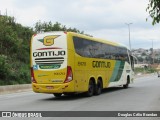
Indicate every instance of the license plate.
{"type": "Point", "coordinates": [49, 87]}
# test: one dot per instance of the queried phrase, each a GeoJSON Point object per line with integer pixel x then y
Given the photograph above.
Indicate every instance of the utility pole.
{"type": "Point", "coordinates": [128, 24]}
{"type": "Point", "coordinates": [152, 53]}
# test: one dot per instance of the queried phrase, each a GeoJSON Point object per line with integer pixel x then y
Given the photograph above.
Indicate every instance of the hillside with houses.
{"type": "Point", "coordinates": [147, 56]}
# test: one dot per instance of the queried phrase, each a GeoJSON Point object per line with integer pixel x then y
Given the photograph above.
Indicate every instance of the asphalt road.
{"type": "Point", "coordinates": [142, 95]}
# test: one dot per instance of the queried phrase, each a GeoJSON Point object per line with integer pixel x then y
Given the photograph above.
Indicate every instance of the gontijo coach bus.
{"type": "Point", "coordinates": [67, 63]}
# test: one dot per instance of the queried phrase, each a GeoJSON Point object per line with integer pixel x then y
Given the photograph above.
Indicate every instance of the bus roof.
{"type": "Point", "coordinates": [87, 37]}
{"type": "Point", "coordinates": [98, 39]}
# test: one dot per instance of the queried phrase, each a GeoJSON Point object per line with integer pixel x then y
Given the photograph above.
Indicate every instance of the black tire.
{"type": "Point", "coordinates": [57, 94]}
{"type": "Point", "coordinates": [90, 91]}
{"type": "Point", "coordinates": [69, 94]}
{"type": "Point", "coordinates": [127, 84]}
{"type": "Point", "coordinates": [98, 89]}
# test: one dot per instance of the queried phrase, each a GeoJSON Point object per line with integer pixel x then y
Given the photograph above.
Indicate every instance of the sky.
{"type": "Point", "coordinates": [105, 19]}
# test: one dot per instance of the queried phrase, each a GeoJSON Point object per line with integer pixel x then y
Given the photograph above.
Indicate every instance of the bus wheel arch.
{"type": "Point", "coordinates": [127, 83]}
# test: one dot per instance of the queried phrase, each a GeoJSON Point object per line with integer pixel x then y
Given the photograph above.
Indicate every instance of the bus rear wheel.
{"type": "Point", "coordinates": [57, 94]}
{"type": "Point", "coordinates": [90, 91]}
{"type": "Point", "coordinates": [98, 90]}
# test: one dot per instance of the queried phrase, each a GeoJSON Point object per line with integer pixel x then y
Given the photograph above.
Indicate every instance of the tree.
{"type": "Point", "coordinates": [143, 54]}
{"type": "Point", "coordinates": [14, 51]}
{"type": "Point", "coordinates": [49, 26]}
{"type": "Point", "coordinates": [154, 10]}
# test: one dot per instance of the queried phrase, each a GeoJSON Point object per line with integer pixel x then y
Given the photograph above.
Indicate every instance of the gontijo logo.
{"type": "Point", "coordinates": [48, 40]}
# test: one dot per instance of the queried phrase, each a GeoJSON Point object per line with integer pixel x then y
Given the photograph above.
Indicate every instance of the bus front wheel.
{"type": "Point", "coordinates": [127, 84]}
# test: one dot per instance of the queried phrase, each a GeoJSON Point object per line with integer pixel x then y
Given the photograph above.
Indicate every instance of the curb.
{"type": "Point", "coordinates": [14, 88]}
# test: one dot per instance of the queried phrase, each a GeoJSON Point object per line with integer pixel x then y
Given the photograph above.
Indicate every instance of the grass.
{"type": "Point", "coordinates": [145, 70]}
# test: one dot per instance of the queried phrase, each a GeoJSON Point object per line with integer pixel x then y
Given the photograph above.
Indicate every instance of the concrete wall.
{"type": "Point", "coordinates": [14, 88]}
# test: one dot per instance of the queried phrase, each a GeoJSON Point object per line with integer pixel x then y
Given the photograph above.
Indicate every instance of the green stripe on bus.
{"type": "Point", "coordinates": [121, 67]}
{"type": "Point", "coordinates": [117, 72]}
